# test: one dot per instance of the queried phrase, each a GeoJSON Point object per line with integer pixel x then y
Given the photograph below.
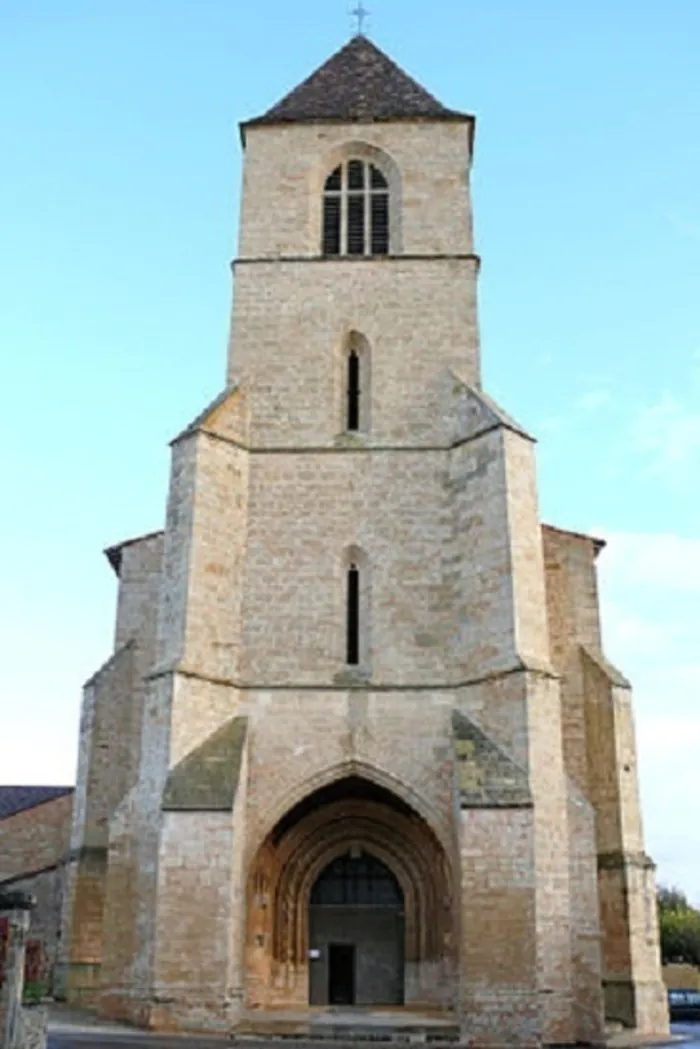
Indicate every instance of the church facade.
{"type": "Point", "coordinates": [358, 744]}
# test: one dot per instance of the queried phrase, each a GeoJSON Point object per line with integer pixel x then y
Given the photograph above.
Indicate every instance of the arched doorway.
{"type": "Point", "coordinates": [356, 933]}
{"type": "Point", "coordinates": [358, 848]}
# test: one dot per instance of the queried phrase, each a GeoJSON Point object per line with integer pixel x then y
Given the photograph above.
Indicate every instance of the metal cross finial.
{"type": "Point", "coordinates": [360, 13]}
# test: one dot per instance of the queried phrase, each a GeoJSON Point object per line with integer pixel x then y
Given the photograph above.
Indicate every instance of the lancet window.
{"type": "Point", "coordinates": [353, 616]}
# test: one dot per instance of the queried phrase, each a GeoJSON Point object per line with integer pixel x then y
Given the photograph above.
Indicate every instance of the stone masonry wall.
{"type": "Point", "coordinates": [631, 957]}
{"type": "Point", "coordinates": [140, 581]}
{"type": "Point", "coordinates": [214, 628]}
{"type": "Point", "coordinates": [194, 942]}
{"type": "Point", "coordinates": [417, 309]}
{"type": "Point", "coordinates": [417, 315]}
{"type": "Point", "coordinates": [130, 942]}
{"type": "Point", "coordinates": [600, 756]}
{"type": "Point", "coordinates": [522, 527]}
{"type": "Point", "coordinates": [301, 741]}
{"type": "Point", "coordinates": [35, 838]}
{"type": "Point", "coordinates": [337, 499]}
{"type": "Point", "coordinates": [480, 619]}
{"type": "Point", "coordinates": [426, 164]}
{"type": "Point", "coordinates": [109, 760]}
{"type": "Point", "coordinates": [105, 763]}
{"type": "Point", "coordinates": [586, 964]}
{"type": "Point", "coordinates": [230, 558]}
{"type": "Point", "coordinates": [541, 697]}
{"type": "Point", "coordinates": [500, 995]}
{"type": "Point", "coordinates": [132, 876]}
{"type": "Point", "coordinates": [573, 618]}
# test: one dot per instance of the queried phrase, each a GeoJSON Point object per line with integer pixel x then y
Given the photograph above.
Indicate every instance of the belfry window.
{"type": "Point", "coordinates": [356, 210]}
{"type": "Point", "coordinates": [353, 616]}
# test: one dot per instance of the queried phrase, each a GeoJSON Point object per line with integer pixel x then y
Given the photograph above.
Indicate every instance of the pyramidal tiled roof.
{"type": "Point", "coordinates": [357, 83]}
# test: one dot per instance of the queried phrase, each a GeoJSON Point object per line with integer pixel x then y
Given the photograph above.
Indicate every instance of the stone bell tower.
{"type": "Point", "coordinates": [351, 782]}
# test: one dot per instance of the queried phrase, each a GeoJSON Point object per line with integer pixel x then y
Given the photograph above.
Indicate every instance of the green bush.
{"type": "Point", "coordinates": [679, 928]}
{"type": "Point", "coordinates": [34, 991]}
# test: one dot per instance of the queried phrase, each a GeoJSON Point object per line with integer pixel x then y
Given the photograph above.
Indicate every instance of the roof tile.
{"type": "Point", "coordinates": [18, 799]}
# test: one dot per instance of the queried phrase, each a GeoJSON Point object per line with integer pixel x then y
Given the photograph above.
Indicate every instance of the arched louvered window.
{"type": "Point", "coordinates": [356, 210]}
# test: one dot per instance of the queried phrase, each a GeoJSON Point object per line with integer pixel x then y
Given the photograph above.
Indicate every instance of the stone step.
{"type": "Point", "coordinates": [368, 1034]}
{"type": "Point", "coordinates": [354, 1039]}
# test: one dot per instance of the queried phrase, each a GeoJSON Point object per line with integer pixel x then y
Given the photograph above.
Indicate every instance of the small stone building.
{"type": "Point", "coordinates": [358, 744]}
{"type": "Point", "coordinates": [35, 826]}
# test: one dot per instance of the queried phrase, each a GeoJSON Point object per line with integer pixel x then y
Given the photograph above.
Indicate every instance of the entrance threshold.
{"type": "Point", "coordinates": [352, 1023]}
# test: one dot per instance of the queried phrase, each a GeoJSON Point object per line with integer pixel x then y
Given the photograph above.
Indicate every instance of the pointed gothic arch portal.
{"type": "Point", "coordinates": [351, 902]}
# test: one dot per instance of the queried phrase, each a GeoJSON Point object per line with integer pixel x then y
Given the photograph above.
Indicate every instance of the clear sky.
{"type": "Point", "coordinates": [118, 219]}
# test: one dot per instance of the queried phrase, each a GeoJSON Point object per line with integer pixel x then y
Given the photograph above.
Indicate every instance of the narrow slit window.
{"type": "Point", "coordinates": [353, 420]}
{"type": "Point", "coordinates": [353, 616]}
{"type": "Point", "coordinates": [354, 384]}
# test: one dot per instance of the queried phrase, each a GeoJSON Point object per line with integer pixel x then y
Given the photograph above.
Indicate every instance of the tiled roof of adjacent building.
{"type": "Point", "coordinates": [598, 544]}
{"type": "Point", "coordinates": [359, 82]}
{"type": "Point", "coordinates": [18, 799]}
{"type": "Point", "coordinates": [114, 553]}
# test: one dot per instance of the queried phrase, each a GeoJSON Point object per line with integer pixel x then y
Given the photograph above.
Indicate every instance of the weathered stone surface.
{"type": "Point", "coordinates": [488, 777]}
{"type": "Point", "coordinates": [207, 779]}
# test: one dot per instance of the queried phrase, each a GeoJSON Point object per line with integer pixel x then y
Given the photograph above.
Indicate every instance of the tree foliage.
{"type": "Point", "coordinates": [679, 927]}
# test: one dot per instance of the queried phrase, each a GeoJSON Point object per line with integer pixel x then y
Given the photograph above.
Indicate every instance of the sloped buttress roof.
{"type": "Point", "coordinates": [359, 82]}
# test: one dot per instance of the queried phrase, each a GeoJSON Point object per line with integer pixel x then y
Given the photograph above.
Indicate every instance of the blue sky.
{"type": "Point", "coordinates": [118, 219]}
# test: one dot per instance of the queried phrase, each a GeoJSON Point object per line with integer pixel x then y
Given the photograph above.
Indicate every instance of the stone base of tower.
{"type": "Point", "coordinates": [78, 984]}
{"type": "Point", "coordinates": [175, 1013]}
{"type": "Point", "coordinates": [125, 1007]}
{"type": "Point", "coordinates": [637, 1005]}
{"type": "Point", "coordinates": [633, 988]}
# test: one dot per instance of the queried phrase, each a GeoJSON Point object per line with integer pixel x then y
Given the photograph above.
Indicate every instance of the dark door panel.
{"type": "Point", "coordinates": [341, 973]}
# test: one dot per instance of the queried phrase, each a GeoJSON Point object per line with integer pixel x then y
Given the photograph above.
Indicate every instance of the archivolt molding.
{"type": "Point", "coordinates": [289, 797]}
{"type": "Point", "coordinates": [323, 841]}
{"type": "Point", "coordinates": [333, 812]}
{"type": "Point", "coordinates": [405, 844]}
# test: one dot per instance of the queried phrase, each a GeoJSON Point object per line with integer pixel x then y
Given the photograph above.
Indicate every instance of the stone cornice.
{"type": "Point", "coordinates": [357, 260]}
{"type": "Point", "coordinates": [84, 852]}
{"type": "Point", "coordinates": [334, 449]}
{"type": "Point", "coordinates": [619, 861]}
{"type": "Point", "coordinates": [360, 684]}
